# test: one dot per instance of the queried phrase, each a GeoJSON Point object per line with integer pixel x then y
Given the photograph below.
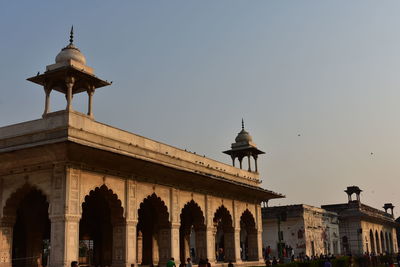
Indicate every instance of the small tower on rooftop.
{"type": "Point", "coordinates": [353, 190]}
{"type": "Point", "coordinates": [388, 206]}
{"type": "Point", "coordinates": [244, 147]}
{"type": "Point", "coordinates": [69, 75]}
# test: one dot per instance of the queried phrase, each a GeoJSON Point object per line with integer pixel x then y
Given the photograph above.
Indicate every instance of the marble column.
{"type": "Point", "coordinates": [90, 93]}
{"type": "Point", "coordinates": [236, 249]}
{"type": "Point", "coordinates": [130, 244]}
{"type": "Point", "coordinates": [139, 248]}
{"type": "Point", "coordinates": [64, 240]}
{"type": "Point", "coordinates": [259, 229]}
{"type": "Point", "coordinates": [255, 163]}
{"type": "Point", "coordinates": [259, 245]}
{"type": "Point", "coordinates": [210, 239]}
{"type": "Point", "coordinates": [69, 82]}
{"type": "Point", "coordinates": [6, 236]}
{"type": "Point", "coordinates": [47, 91]}
{"type": "Point", "coordinates": [175, 253]}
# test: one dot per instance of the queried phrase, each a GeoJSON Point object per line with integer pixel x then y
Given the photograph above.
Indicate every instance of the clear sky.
{"type": "Point", "coordinates": [186, 72]}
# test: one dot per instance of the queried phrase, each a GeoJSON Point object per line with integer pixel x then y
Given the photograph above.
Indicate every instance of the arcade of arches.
{"type": "Point", "coordinates": [75, 189]}
{"type": "Point", "coordinates": [376, 239]}
{"type": "Point", "coordinates": [379, 243]}
{"type": "Point", "coordinates": [115, 222]}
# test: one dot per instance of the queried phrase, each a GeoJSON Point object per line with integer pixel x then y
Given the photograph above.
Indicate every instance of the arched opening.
{"type": "Point", "coordinates": [192, 233]}
{"type": "Point", "coordinates": [224, 236]}
{"type": "Point", "coordinates": [26, 213]}
{"type": "Point", "coordinates": [387, 243]}
{"type": "Point", "coordinates": [378, 246]}
{"type": "Point", "coordinates": [154, 232]}
{"type": "Point", "coordinates": [372, 241]}
{"type": "Point", "coordinates": [391, 243]}
{"type": "Point", "coordinates": [248, 237]}
{"type": "Point", "coordinates": [383, 243]}
{"type": "Point", "coordinates": [345, 244]}
{"type": "Point", "coordinates": [101, 228]}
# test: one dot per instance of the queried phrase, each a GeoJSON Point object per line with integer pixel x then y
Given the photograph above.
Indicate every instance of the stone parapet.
{"type": "Point", "coordinates": [77, 127]}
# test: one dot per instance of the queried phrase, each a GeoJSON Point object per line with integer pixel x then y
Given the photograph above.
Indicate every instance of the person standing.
{"type": "Point", "coordinates": [398, 259]}
{"type": "Point", "coordinates": [171, 263]}
{"type": "Point", "coordinates": [189, 262]}
{"type": "Point", "coordinates": [328, 263]}
{"type": "Point", "coordinates": [208, 263]}
{"type": "Point", "coordinates": [203, 263]}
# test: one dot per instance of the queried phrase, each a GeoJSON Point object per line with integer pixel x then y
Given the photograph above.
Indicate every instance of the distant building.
{"type": "Point", "coordinates": [364, 229]}
{"type": "Point", "coordinates": [303, 229]}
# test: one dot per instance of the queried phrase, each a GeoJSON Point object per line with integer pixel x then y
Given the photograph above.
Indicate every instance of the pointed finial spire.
{"type": "Point", "coordinates": [71, 36]}
{"type": "Point", "coordinates": [242, 124]}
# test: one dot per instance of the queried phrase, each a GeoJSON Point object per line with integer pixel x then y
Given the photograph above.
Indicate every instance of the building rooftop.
{"type": "Point", "coordinates": [357, 209]}
{"type": "Point", "coordinates": [79, 128]}
{"type": "Point", "coordinates": [75, 134]}
{"type": "Point", "coordinates": [294, 210]}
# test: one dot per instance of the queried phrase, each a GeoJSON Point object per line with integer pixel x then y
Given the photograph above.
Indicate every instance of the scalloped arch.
{"type": "Point", "coordinates": [114, 203]}
{"type": "Point", "coordinates": [191, 214]}
{"type": "Point", "coordinates": [11, 204]}
{"type": "Point", "coordinates": [154, 203]}
{"type": "Point", "coordinates": [223, 218]}
{"type": "Point", "coordinates": [247, 221]}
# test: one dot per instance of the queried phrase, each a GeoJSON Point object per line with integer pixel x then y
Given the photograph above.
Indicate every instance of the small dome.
{"type": "Point", "coordinates": [70, 52]}
{"type": "Point", "coordinates": [243, 136]}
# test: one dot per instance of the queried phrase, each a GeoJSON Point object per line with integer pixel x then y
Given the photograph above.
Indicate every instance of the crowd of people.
{"type": "Point", "coordinates": [272, 260]}
{"type": "Point", "coordinates": [366, 260]}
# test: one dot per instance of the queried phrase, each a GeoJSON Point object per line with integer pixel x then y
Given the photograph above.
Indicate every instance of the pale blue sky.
{"type": "Point", "coordinates": [186, 72]}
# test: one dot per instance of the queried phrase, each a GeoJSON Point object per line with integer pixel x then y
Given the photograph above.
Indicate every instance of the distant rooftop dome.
{"type": "Point", "coordinates": [243, 136]}
{"type": "Point", "coordinates": [71, 52]}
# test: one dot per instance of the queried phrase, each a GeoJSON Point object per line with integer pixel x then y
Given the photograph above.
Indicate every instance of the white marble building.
{"type": "Point", "coordinates": [74, 189]}
{"type": "Point", "coordinates": [305, 229]}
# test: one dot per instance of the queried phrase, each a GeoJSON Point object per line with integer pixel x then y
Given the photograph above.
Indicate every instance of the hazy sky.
{"type": "Point", "coordinates": [186, 72]}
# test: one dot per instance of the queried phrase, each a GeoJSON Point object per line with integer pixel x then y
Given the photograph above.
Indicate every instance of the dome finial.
{"type": "Point", "coordinates": [71, 35]}
{"type": "Point", "coordinates": [242, 124]}
{"type": "Point", "coordinates": [71, 51]}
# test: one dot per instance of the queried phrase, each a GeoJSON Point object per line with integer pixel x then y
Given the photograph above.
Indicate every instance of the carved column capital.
{"type": "Point", "coordinates": [64, 218]}
{"type": "Point", "coordinates": [69, 80]}
{"type": "Point", "coordinates": [131, 222]}
{"type": "Point", "coordinates": [175, 225]}
{"type": "Point", "coordinates": [90, 90]}
{"type": "Point", "coordinates": [8, 221]}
